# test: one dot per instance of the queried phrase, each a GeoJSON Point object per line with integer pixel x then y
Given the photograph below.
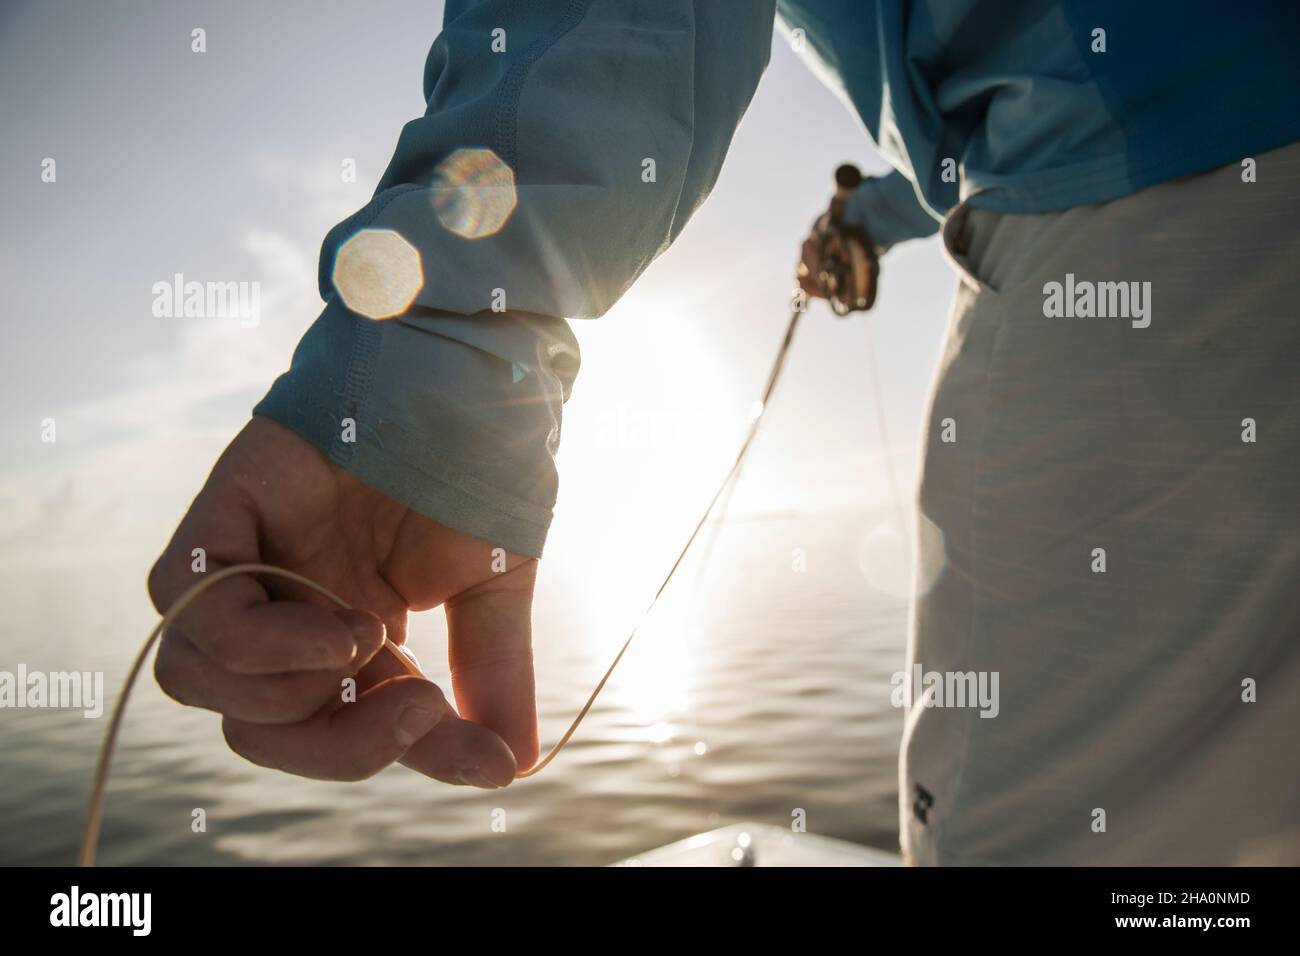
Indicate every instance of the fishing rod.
{"type": "Point", "coordinates": [846, 276]}
{"type": "Point", "coordinates": [848, 268]}
{"type": "Point", "coordinates": [846, 257]}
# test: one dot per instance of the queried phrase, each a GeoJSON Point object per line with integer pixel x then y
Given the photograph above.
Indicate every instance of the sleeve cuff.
{"type": "Point", "coordinates": [467, 439]}
{"type": "Point", "coordinates": [888, 209]}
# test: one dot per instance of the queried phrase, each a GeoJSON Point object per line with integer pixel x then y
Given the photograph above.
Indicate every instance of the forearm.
{"type": "Point", "coordinates": [611, 118]}
{"type": "Point", "coordinates": [456, 433]}
{"type": "Point", "coordinates": [888, 209]}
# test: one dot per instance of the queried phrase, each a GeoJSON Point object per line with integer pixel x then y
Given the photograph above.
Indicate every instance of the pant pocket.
{"type": "Point", "coordinates": [967, 238]}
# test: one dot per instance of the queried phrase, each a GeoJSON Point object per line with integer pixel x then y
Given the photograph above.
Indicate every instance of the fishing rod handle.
{"type": "Point", "coordinates": [847, 180]}
{"type": "Point", "coordinates": [849, 284]}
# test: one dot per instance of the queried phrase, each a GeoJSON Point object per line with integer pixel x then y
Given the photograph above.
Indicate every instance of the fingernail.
{"type": "Point", "coordinates": [473, 777]}
{"type": "Point", "coordinates": [369, 637]}
{"type": "Point", "coordinates": [409, 655]}
{"type": "Point", "coordinates": [363, 631]}
{"type": "Point", "coordinates": [326, 656]}
{"type": "Point", "coordinates": [414, 723]}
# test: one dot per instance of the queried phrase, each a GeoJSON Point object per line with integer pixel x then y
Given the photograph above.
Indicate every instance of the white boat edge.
{"type": "Point", "coordinates": [760, 844]}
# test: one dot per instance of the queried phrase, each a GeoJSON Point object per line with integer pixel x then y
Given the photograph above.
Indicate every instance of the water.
{"type": "Point", "coordinates": [762, 696]}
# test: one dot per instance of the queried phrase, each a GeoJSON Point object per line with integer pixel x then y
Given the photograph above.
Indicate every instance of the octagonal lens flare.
{"type": "Point", "coordinates": [474, 193]}
{"type": "Point", "coordinates": [378, 273]}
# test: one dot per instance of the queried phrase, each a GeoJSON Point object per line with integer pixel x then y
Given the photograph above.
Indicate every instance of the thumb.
{"type": "Point", "coordinates": [491, 654]}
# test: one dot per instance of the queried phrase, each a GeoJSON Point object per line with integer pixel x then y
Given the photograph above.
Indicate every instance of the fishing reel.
{"type": "Point", "coordinates": [848, 266]}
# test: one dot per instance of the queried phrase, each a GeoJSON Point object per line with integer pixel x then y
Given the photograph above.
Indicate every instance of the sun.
{"type": "Point", "coordinates": [648, 433]}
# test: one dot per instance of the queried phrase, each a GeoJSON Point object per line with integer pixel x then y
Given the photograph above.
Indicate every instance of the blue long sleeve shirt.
{"type": "Point", "coordinates": [566, 143]}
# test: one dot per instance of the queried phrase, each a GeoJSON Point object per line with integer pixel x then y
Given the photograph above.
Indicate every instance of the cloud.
{"type": "Point", "coordinates": [125, 464]}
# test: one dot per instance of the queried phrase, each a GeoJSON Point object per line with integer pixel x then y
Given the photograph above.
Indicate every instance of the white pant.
{"type": "Point", "coordinates": [1121, 735]}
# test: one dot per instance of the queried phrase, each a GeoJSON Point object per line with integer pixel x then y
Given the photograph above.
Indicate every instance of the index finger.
{"type": "Point", "coordinates": [234, 622]}
{"type": "Point", "coordinates": [491, 655]}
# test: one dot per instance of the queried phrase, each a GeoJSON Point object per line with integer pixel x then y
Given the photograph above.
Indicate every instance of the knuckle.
{"type": "Point", "coordinates": [289, 701]}
{"type": "Point", "coordinates": [355, 772]}
{"type": "Point", "coordinates": [156, 584]}
{"type": "Point", "coordinates": [501, 660]}
{"type": "Point", "coordinates": [224, 643]}
{"type": "Point", "coordinates": [172, 674]}
{"type": "Point", "coordinates": [232, 653]}
{"type": "Point", "coordinates": [243, 740]}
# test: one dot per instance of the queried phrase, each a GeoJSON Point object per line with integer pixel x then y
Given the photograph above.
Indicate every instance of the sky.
{"type": "Point", "coordinates": [225, 166]}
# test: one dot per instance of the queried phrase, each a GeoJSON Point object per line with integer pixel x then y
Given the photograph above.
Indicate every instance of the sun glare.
{"type": "Point", "coordinates": [647, 436]}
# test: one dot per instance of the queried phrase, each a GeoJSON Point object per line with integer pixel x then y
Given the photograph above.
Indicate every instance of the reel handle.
{"type": "Point", "coordinates": [850, 267]}
{"type": "Point", "coordinates": [847, 180]}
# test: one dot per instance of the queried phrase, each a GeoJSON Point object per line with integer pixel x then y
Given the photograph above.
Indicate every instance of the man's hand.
{"type": "Point", "coordinates": [838, 261]}
{"type": "Point", "coordinates": [271, 656]}
{"type": "Point", "coordinates": [809, 268]}
{"type": "Point", "coordinates": [837, 265]}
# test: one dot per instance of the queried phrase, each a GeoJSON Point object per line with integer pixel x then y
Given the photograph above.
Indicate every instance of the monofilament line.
{"type": "Point", "coordinates": [95, 811]}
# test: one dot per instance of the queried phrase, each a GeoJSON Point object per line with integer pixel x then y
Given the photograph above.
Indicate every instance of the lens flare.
{"type": "Point", "coordinates": [378, 273]}
{"type": "Point", "coordinates": [474, 193]}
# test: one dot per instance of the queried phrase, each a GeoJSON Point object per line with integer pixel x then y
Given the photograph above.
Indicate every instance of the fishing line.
{"type": "Point", "coordinates": [94, 813]}
{"type": "Point", "coordinates": [885, 446]}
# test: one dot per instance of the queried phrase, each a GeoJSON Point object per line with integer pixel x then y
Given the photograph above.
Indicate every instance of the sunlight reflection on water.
{"type": "Point", "coordinates": [775, 697]}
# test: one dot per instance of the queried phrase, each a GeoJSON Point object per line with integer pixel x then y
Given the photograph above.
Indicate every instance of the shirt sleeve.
{"type": "Point", "coordinates": [565, 145]}
{"type": "Point", "coordinates": [888, 208]}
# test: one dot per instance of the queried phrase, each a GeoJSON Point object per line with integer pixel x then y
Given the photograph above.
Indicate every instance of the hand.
{"type": "Point", "coordinates": [271, 656]}
{"type": "Point", "coordinates": [835, 264]}
{"type": "Point", "coordinates": [811, 254]}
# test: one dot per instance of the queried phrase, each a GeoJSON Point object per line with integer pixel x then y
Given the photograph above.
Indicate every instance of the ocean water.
{"type": "Point", "coordinates": [762, 695]}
